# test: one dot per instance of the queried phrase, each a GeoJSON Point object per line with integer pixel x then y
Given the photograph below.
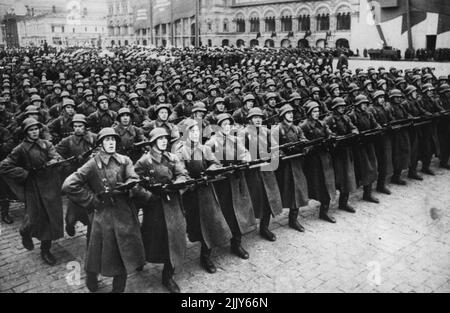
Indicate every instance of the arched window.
{"type": "Point", "coordinates": [343, 21]}
{"type": "Point", "coordinates": [254, 24]}
{"type": "Point", "coordinates": [286, 21]}
{"type": "Point", "coordinates": [225, 25]}
{"type": "Point", "coordinates": [240, 23]}
{"type": "Point", "coordinates": [269, 19]}
{"type": "Point", "coordinates": [323, 22]}
{"type": "Point", "coordinates": [304, 23]}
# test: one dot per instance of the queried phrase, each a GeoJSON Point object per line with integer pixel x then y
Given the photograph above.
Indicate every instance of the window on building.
{"type": "Point", "coordinates": [163, 29]}
{"type": "Point", "coordinates": [343, 21]}
{"type": "Point", "coordinates": [144, 32]}
{"type": "Point", "coordinates": [84, 11]}
{"type": "Point", "coordinates": [73, 30]}
{"type": "Point", "coordinates": [157, 30]}
{"type": "Point", "coordinates": [240, 25]}
{"type": "Point", "coordinates": [286, 23]}
{"type": "Point", "coordinates": [270, 24]}
{"type": "Point", "coordinates": [53, 9]}
{"type": "Point", "coordinates": [53, 29]}
{"type": "Point", "coordinates": [225, 26]}
{"type": "Point", "coordinates": [254, 25]}
{"type": "Point", "coordinates": [110, 10]}
{"type": "Point", "coordinates": [323, 22]}
{"type": "Point", "coordinates": [209, 26]}
{"type": "Point", "coordinates": [96, 29]}
{"type": "Point", "coordinates": [62, 29]}
{"type": "Point", "coordinates": [85, 29]}
{"type": "Point", "coordinates": [304, 23]}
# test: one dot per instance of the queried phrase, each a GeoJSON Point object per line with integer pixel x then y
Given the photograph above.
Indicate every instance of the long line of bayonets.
{"type": "Point", "coordinates": [290, 150]}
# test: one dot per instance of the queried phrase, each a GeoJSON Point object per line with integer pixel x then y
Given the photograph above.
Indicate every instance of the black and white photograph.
{"type": "Point", "coordinates": [227, 150]}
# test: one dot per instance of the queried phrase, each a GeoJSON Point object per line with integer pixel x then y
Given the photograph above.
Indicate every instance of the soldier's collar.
{"type": "Point", "coordinates": [106, 157]}
{"type": "Point", "coordinates": [38, 142]}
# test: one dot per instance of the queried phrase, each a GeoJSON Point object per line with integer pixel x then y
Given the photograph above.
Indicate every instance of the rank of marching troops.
{"type": "Point", "coordinates": [104, 126]}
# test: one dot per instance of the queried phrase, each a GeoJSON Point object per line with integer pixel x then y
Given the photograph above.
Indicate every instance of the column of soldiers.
{"type": "Point", "coordinates": [129, 138]}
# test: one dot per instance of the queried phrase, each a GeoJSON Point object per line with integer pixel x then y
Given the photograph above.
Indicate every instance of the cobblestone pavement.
{"type": "Point", "coordinates": [441, 68]}
{"type": "Point", "coordinates": [401, 245]}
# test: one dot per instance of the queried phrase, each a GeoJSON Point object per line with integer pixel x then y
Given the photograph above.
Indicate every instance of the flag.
{"type": "Point", "coordinates": [141, 15]}
{"type": "Point", "coordinates": [164, 11]}
{"type": "Point", "coordinates": [386, 10]}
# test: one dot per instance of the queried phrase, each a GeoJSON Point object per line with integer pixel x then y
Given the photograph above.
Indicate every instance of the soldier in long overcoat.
{"type": "Point", "coordinates": [115, 247]}
{"type": "Point", "coordinates": [344, 168]}
{"type": "Point", "coordinates": [27, 173]}
{"type": "Point", "coordinates": [233, 193]}
{"type": "Point", "coordinates": [204, 218]}
{"type": "Point", "coordinates": [262, 182]}
{"type": "Point", "coordinates": [382, 111]}
{"type": "Point", "coordinates": [319, 163]}
{"type": "Point", "coordinates": [290, 176]}
{"type": "Point", "coordinates": [163, 226]}
{"type": "Point", "coordinates": [430, 144]}
{"type": "Point", "coordinates": [129, 134]}
{"type": "Point", "coordinates": [366, 164]}
{"type": "Point", "coordinates": [76, 145]}
{"type": "Point", "coordinates": [401, 145]}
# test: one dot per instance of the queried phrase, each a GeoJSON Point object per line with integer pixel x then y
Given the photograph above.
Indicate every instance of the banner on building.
{"type": "Point", "coordinates": [386, 10]}
{"type": "Point", "coordinates": [165, 11]}
{"type": "Point", "coordinates": [141, 12]}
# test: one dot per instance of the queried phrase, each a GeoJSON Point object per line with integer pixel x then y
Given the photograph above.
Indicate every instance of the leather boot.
{"type": "Point", "coordinates": [4, 204]}
{"type": "Point", "coordinates": [167, 279]}
{"type": "Point", "coordinates": [381, 188]}
{"type": "Point", "coordinates": [46, 255]}
{"type": "Point", "coordinates": [428, 171]}
{"type": "Point", "coordinates": [323, 213]}
{"type": "Point", "coordinates": [237, 249]}
{"type": "Point", "coordinates": [367, 195]}
{"type": "Point", "coordinates": [119, 283]}
{"type": "Point", "coordinates": [91, 281]}
{"type": "Point", "coordinates": [70, 230]}
{"type": "Point", "coordinates": [205, 260]}
{"type": "Point", "coordinates": [27, 241]}
{"type": "Point", "coordinates": [293, 222]}
{"type": "Point", "coordinates": [264, 227]}
{"type": "Point", "coordinates": [397, 180]}
{"type": "Point", "coordinates": [343, 203]}
{"type": "Point", "coordinates": [413, 175]}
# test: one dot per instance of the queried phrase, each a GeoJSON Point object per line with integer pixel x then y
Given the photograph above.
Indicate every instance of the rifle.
{"type": "Point", "coordinates": [53, 165]}
{"type": "Point", "coordinates": [300, 144]}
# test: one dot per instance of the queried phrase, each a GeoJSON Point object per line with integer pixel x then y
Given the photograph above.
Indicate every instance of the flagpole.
{"type": "Point", "coordinates": [151, 22]}
{"type": "Point", "coordinates": [408, 24]}
{"type": "Point", "coordinates": [197, 28]}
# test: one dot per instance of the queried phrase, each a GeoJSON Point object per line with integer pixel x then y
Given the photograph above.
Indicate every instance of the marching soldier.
{"type": "Point", "coordinates": [76, 145]}
{"type": "Point", "coordinates": [366, 164]}
{"type": "Point", "coordinates": [103, 117]}
{"type": "Point", "coordinates": [233, 193]}
{"type": "Point", "coordinates": [138, 114]}
{"type": "Point", "coordinates": [261, 181]}
{"type": "Point", "coordinates": [382, 111]}
{"type": "Point", "coordinates": [341, 125]}
{"type": "Point", "coordinates": [87, 107]}
{"type": "Point", "coordinates": [444, 127]}
{"type": "Point", "coordinates": [6, 145]}
{"type": "Point", "coordinates": [115, 247]}
{"type": "Point", "coordinates": [430, 141]}
{"type": "Point", "coordinates": [162, 112]}
{"type": "Point", "coordinates": [128, 135]}
{"type": "Point", "coordinates": [163, 227]}
{"type": "Point", "coordinates": [28, 172]}
{"type": "Point", "coordinates": [290, 175]}
{"type": "Point", "coordinates": [61, 127]}
{"type": "Point", "coordinates": [219, 108]}
{"type": "Point", "coordinates": [401, 145]}
{"type": "Point", "coordinates": [204, 218]}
